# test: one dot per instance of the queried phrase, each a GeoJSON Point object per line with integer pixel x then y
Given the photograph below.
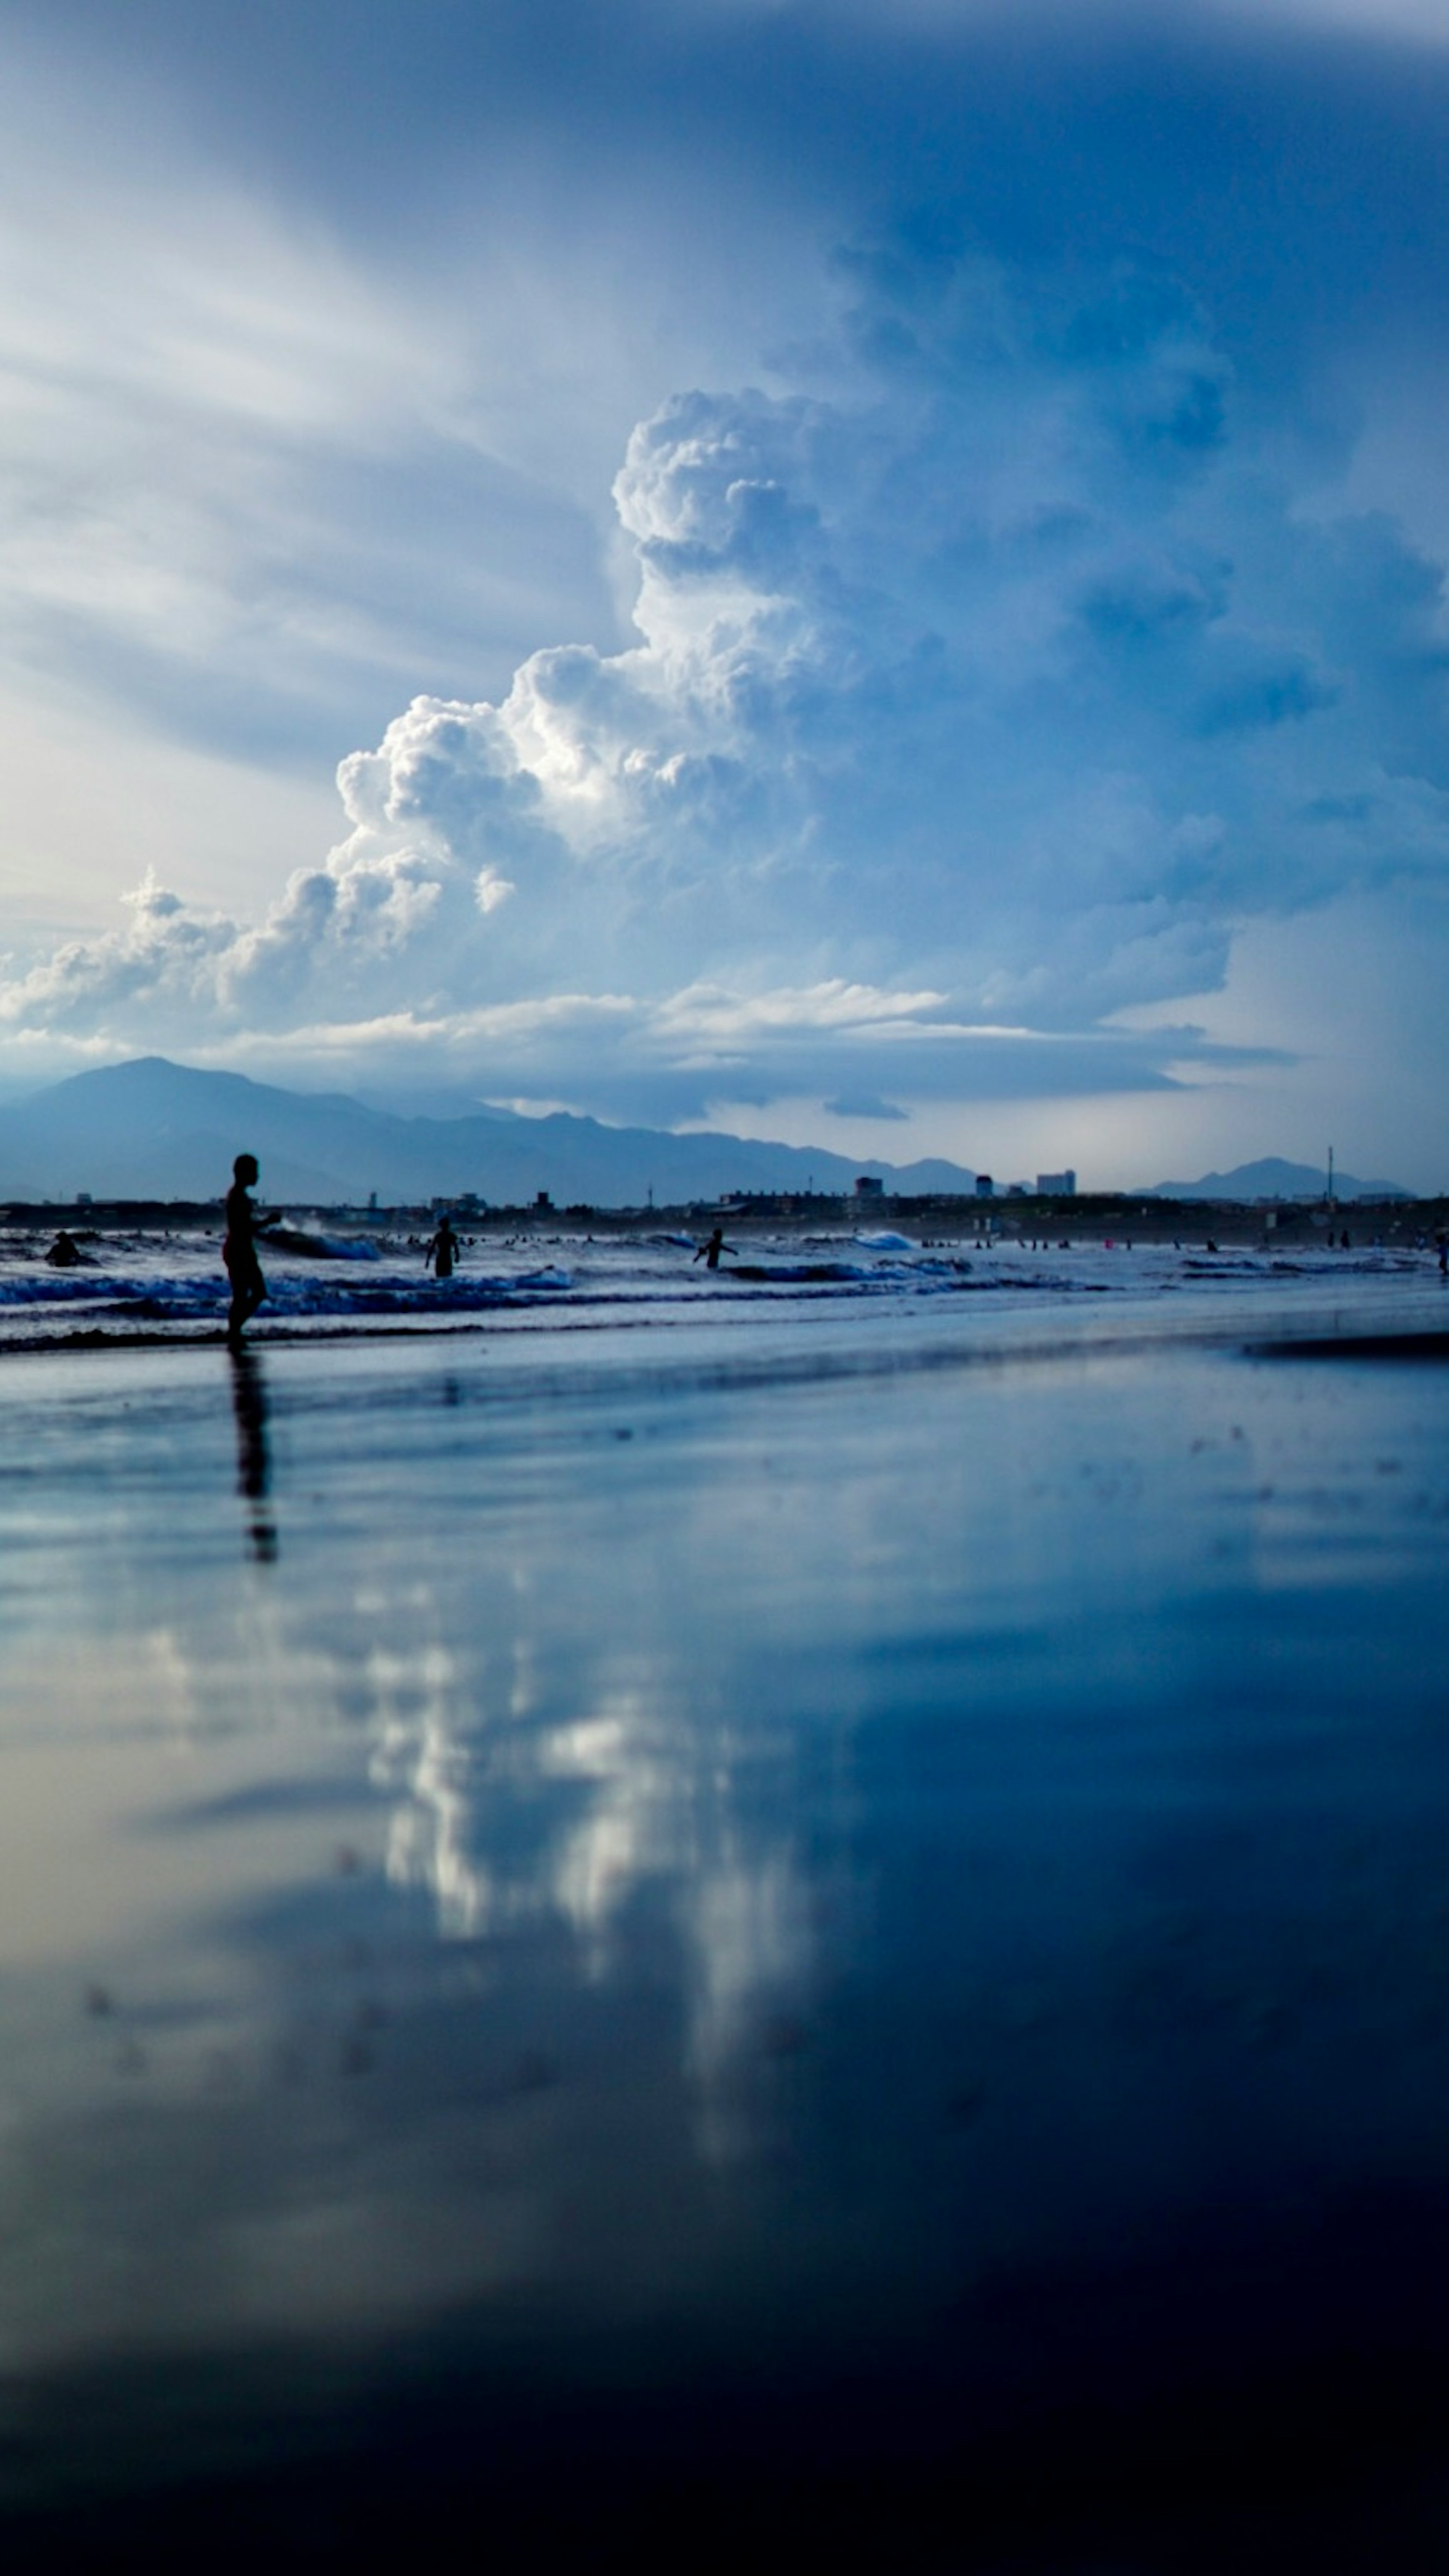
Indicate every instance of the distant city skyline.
{"type": "Point", "coordinates": [871, 576]}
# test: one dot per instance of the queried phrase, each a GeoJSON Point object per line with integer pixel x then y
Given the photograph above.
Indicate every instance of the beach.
{"type": "Point", "coordinates": [818, 1897]}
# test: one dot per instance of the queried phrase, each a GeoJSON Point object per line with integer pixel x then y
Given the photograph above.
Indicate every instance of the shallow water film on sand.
{"type": "Point", "coordinates": [817, 1911]}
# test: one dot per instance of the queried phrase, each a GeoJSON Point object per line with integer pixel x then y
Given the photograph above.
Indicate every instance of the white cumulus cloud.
{"type": "Point", "coordinates": [988, 681]}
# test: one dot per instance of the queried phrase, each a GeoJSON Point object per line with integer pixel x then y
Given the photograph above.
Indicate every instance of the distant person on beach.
{"type": "Point", "coordinates": [709, 1253]}
{"type": "Point", "coordinates": [443, 1251]}
{"type": "Point", "coordinates": [65, 1252]}
{"type": "Point", "coordinates": [1442, 1240]}
{"type": "Point", "coordinates": [239, 1251]}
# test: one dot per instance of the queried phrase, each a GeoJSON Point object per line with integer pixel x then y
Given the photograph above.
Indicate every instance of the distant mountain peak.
{"type": "Point", "coordinates": [148, 1128]}
{"type": "Point", "coordinates": [1272, 1178]}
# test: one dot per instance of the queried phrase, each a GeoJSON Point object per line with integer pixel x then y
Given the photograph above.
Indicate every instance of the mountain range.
{"type": "Point", "coordinates": [157, 1130]}
{"type": "Point", "coordinates": [1271, 1178]}
{"type": "Point", "coordinates": [150, 1129]}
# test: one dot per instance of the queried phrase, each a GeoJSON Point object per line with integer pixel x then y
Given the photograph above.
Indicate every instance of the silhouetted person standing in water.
{"type": "Point", "coordinates": [243, 1224]}
{"type": "Point", "coordinates": [709, 1253]}
{"type": "Point", "coordinates": [443, 1251]}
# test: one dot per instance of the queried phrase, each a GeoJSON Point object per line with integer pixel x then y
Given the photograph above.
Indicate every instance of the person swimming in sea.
{"type": "Point", "coordinates": [709, 1253]}
{"type": "Point", "coordinates": [443, 1251]}
{"type": "Point", "coordinates": [239, 1251]}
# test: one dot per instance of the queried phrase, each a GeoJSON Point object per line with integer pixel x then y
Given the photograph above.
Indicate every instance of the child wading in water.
{"type": "Point", "coordinates": [709, 1253]}
{"type": "Point", "coordinates": [243, 1224]}
{"type": "Point", "coordinates": [442, 1252]}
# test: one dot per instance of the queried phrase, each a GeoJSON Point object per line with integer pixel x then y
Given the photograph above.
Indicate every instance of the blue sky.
{"type": "Point", "coordinates": [866, 574]}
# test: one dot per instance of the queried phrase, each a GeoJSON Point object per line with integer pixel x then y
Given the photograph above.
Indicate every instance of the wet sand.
{"type": "Point", "coordinates": [776, 1932]}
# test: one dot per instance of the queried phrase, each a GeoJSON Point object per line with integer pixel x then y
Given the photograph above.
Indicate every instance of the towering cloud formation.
{"type": "Point", "coordinates": [988, 679]}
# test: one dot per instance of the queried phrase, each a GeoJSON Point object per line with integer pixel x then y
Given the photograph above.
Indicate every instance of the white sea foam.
{"type": "Point", "coordinates": [164, 1281]}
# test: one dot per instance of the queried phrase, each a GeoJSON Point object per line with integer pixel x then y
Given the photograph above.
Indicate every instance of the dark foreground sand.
{"type": "Point", "coordinates": [603, 1954]}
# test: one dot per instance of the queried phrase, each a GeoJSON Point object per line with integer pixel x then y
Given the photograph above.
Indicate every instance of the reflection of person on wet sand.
{"type": "Point", "coordinates": [243, 1224]}
{"type": "Point", "coordinates": [253, 1464]}
{"type": "Point", "coordinates": [709, 1253]}
{"type": "Point", "coordinates": [443, 1251]}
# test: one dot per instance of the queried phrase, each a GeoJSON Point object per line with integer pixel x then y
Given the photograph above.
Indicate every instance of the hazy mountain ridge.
{"type": "Point", "coordinates": [152, 1129]}
{"type": "Point", "coordinates": [149, 1128]}
{"type": "Point", "coordinates": [1272, 1178]}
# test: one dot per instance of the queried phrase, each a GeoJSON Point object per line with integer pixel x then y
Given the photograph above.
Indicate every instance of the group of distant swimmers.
{"type": "Point", "coordinates": [245, 1222]}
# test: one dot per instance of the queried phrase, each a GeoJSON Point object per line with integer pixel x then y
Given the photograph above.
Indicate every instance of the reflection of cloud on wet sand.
{"type": "Point", "coordinates": [325, 2126]}
{"type": "Point", "coordinates": [515, 1824]}
{"type": "Point", "coordinates": [420, 1753]}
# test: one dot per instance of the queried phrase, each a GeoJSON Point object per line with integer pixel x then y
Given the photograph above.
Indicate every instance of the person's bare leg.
{"type": "Point", "coordinates": [246, 1296]}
